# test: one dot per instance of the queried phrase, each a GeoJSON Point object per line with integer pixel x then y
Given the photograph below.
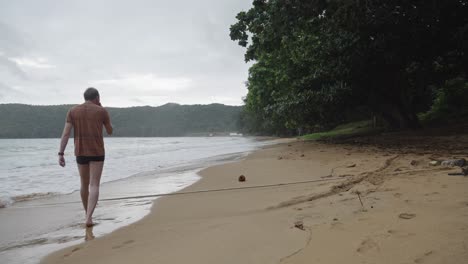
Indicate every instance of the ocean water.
{"type": "Point", "coordinates": [29, 167]}
{"type": "Point", "coordinates": [43, 212]}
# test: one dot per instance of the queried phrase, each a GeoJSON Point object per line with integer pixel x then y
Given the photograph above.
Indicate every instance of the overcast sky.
{"type": "Point", "coordinates": [135, 52]}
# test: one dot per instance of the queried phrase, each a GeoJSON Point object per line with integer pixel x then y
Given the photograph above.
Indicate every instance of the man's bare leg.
{"type": "Point", "coordinates": [95, 171]}
{"type": "Point", "coordinates": [84, 191]}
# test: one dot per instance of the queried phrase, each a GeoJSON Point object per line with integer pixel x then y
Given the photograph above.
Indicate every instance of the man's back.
{"type": "Point", "coordinates": [87, 120]}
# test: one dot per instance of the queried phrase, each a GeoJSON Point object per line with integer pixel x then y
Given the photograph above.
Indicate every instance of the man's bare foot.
{"type": "Point", "coordinates": [89, 234]}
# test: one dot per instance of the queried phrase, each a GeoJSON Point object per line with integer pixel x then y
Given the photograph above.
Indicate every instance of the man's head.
{"type": "Point", "coordinates": [91, 94]}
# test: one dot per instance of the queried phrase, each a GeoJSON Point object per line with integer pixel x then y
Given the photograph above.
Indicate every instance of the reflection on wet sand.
{"type": "Point", "coordinates": [32, 229]}
{"type": "Point", "coordinates": [89, 235]}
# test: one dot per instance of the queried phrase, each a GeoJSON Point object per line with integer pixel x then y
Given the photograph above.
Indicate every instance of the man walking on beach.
{"type": "Point", "coordinates": [87, 121]}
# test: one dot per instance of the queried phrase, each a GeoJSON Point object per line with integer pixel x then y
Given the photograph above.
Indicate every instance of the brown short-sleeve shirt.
{"type": "Point", "coordinates": [87, 120]}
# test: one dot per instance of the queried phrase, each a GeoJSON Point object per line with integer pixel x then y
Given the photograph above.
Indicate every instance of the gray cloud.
{"type": "Point", "coordinates": [60, 47]}
{"type": "Point", "coordinates": [11, 68]}
{"type": "Point", "coordinates": [3, 88]}
{"type": "Point", "coordinates": [7, 92]}
{"type": "Point", "coordinates": [12, 43]}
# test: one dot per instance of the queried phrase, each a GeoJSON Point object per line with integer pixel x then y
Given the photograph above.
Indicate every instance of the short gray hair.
{"type": "Point", "coordinates": [91, 94]}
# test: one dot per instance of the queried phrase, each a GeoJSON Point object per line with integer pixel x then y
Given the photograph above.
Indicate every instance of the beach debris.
{"type": "Point", "coordinates": [454, 163]}
{"type": "Point", "coordinates": [434, 163]}
{"type": "Point", "coordinates": [299, 225]}
{"type": "Point", "coordinates": [242, 178]}
{"type": "Point", "coordinates": [302, 155]}
{"type": "Point", "coordinates": [335, 219]}
{"type": "Point", "coordinates": [414, 162]}
{"type": "Point", "coordinates": [359, 196]}
{"type": "Point", "coordinates": [2, 204]}
{"type": "Point", "coordinates": [280, 158]}
{"type": "Point", "coordinates": [464, 172]}
{"type": "Point", "coordinates": [406, 216]}
{"type": "Point", "coordinates": [351, 165]}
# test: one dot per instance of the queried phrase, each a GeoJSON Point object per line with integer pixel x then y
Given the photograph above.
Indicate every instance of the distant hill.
{"type": "Point", "coordinates": [169, 120]}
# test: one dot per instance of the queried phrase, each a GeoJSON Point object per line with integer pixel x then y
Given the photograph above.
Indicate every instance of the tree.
{"type": "Point", "coordinates": [317, 60]}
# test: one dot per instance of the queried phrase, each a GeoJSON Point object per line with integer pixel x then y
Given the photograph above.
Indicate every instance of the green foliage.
{"type": "Point", "coordinates": [450, 103]}
{"type": "Point", "coordinates": [349, 129]}
{"type": "Point", "coordinates": [170, 120]}
{"type": "Point", "coordinates": [317, 61]}
{"type": "Point", "coordinates": [27, 121]}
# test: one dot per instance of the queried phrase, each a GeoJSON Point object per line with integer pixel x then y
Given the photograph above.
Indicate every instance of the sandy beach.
{"type": "Point", "coordinates": [356, 204]}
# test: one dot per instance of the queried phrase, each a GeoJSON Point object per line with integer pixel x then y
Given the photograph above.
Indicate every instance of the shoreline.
{"type": "Point", "coordinates": [34, 239]}
{"type": "Point", "coordinates": [297, 224]}
{"type": "Point", "coordinates": [189, 167]}
{"type": "Point", "coordinates": [207, 181]}
{"type": "Point", "coordinates": [23, 162]}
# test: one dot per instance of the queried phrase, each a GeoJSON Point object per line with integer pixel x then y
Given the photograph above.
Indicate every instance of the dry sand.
{"type": "Point", "coordinates": [410, 213]}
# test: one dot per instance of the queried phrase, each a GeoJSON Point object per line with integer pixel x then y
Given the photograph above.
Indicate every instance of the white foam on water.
{"type": "Point", "coordinates": [50, 215]}
{"type": "Point", "coordinates": [29, 167]}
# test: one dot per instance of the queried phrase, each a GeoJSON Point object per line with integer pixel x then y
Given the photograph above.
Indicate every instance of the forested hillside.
{"type": "Point", "coordinates": [319, 63]}
{"type": "Point", "coordinates": [27, 121]}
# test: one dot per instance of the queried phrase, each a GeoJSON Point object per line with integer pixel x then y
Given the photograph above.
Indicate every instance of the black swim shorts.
{"type": "Point", "coordinates": [84, 160]}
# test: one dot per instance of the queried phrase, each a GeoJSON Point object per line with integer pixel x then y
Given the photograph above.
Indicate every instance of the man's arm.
{"type": "Point", "coordinates": [109, 128]}
{"type": "Point", "coordinates": [64, 141]}
{"type": "Point", "coordinates": [107, 124]}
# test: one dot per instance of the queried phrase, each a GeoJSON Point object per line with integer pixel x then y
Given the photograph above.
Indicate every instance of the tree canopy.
{"type": "Point", "coordinates": [320, 62]}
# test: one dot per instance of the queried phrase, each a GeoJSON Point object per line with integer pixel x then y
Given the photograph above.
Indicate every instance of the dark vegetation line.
{"type": "Point", "coordinates": [169, 120]}
{"type": "Point", "coordinates": [321, 63]}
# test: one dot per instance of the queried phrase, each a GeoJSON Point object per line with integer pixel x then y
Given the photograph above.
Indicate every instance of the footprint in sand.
{"type": "Point", "coordinates": [73, 251]}
{"type": "Point", "coordinates": [366, 245]}
{"type": "Point", "coordinates": [399, 234]}
{"type": "Point", "coordinates": [123, 244]}
{"type": "Point", "coordinates": [423, 257]}
{"type": "Point", "coordinates": [406, 216]}
{"type": "Point", "coordinates": [337, 225]}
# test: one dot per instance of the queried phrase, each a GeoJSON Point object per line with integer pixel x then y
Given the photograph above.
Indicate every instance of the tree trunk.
{"type": "Point", "coordinates": [397, 117]}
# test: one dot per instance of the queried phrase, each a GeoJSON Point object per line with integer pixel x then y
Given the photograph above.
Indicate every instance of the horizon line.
{"type": "Point", "coordinates": [168, 103]}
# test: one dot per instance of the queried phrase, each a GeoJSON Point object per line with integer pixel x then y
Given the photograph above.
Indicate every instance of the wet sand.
{"type": "Point", "coordinates": [34, 228]}
{"type": "Point", "coordinates": [378, 206]}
